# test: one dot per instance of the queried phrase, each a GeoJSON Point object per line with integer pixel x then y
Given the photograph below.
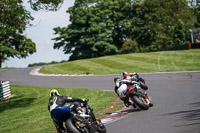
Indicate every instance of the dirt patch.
{"type": "Point", "coordinates": [5, 99]}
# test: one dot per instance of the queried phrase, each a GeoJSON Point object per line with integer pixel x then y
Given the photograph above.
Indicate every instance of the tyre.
{"type": "Point", "coordinates": [71, 128]}
{"type": "Point", "coordinates": [143, 86]}
{"type": "Point", "coordinates": [140, 102]}
{"type": "Point", "coordinates": [101, 128]}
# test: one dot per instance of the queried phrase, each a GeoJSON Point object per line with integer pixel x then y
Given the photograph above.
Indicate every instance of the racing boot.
{"type": "Point", "coordinates": [148, 100]}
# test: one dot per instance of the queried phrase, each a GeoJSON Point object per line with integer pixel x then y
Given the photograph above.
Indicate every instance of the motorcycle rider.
{"type": "Point", "coordinates": [57, 101]}
{"type": "Point", "coordinates": [129, 79]}
{"type": "Point", "coordinates": [135, 77]}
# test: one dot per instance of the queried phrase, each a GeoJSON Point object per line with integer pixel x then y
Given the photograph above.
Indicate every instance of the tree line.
{"type": "Point", "coordinates": [107, 27]}
{"type": "Point", "coordinates": [45, 63]}
{"type": "Point", "coordinates": [101, 27]}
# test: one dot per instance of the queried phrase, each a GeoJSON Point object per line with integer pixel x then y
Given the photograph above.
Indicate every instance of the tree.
{"type": "Point", "coordinates": [179, 34]}
{"type": "Point", "coordinates": [104, 27]}
{"type": "Point", "coordinates": [49, 5]}
{"type": "Point", "coordinates": [97, 28]}
{"type": "Point", "coordinates": [13, 21]}
{"type": "Point", "coordinates": [154, 21]}
{"type": "Point", "coordinates": [129, 46]}
{"type": "Point", "coordinates": [87, 36]}
{"type": "Point", "coordinates": [195, 4]}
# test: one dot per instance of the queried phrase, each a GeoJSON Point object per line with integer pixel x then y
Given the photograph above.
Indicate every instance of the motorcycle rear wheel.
{"type": "Point", "coordinates": [140, 103]}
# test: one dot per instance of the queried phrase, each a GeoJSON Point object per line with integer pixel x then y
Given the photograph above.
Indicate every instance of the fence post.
{"type": "Point", "coordinates": [189, 46]}
{"type": "Point", "coordinates": [1, 92]}
{"type": "Point", "coordinates": [4, 89]}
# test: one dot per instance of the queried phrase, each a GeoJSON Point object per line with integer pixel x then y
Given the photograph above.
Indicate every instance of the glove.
{"type": "Point", "coordinates": [85, 100]}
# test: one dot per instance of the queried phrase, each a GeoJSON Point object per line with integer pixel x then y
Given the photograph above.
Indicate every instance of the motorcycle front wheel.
{"type": "Point", "coordinates": [72, 129]}
{"type": "Point", "coordinates": [101, 127]}
{"type": "Point", "coordinates": [140, 102]}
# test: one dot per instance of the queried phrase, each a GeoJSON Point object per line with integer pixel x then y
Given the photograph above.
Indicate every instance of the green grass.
{"type": "Point", "coordinates": [27, 111]}
{"type": "Point", "coordinates": [8, 68]}
{"type": "Point", "coordinates": [165, 61]}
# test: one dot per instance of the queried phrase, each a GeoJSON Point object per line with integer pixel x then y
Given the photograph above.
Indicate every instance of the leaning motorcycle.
{"type": "Point", "coordinates": [77, 124]}
{"type": "Point", "coordinates": [133, 91]}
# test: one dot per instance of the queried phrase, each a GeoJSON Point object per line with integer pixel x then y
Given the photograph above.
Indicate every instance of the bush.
{"type": "Point", "coordinates": [45, 63]}
{"type": "Point", "coordinates": [129, 46]}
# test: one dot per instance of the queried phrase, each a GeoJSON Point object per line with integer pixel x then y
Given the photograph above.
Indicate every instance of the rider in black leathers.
{"type": "Point", "coordinates": [135, 77]}
{"type": "Point", "coordinates": [131, 77]}
{"type": "Point", "coordinates": [56, 101]}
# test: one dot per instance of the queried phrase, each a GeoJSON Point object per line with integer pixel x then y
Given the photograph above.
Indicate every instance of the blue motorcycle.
{"type": "Point", "coordinates": [75, 123]}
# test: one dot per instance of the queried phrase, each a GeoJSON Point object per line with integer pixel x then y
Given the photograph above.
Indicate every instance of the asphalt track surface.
{"type": "Point", "coordinates": [176, 98]}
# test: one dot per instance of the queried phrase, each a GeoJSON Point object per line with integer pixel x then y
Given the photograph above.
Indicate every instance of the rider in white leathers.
{"type": "Point", "coordinates": [129, 79]}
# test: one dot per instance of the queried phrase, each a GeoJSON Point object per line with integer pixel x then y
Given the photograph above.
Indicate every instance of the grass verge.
{"type": "Point", "coordinates": [165, 61]}
{"type": "Point", "coordinates": [27, 110]}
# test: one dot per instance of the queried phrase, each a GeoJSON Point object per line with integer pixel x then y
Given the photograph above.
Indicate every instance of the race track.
{"type": "Point", "coordinates": [176, 98]}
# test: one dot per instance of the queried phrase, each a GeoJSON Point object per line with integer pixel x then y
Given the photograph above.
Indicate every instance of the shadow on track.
{"type": "Point", "coordinates": [192, 116]}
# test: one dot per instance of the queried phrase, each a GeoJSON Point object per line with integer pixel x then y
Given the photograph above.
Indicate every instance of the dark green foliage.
{"type": "Point", "coordinates": [13, 21]}
{"type": "Point", "coordinates": [197, 13]}
{"type": "Point", "coordinates": [129, 46]}
{"type": "Point", "coordinates": [155, 21]}
{"type": "Point", "coordinates": [96, 30]}
{"type": "Point", "coordinates": [195, 4]}
{"type": "Point", "coordinates": [105, 27]}
{"type": "Point", "coordinates": [45, 63]}
{"type": "Point", "coordinates": [179, 34]}
{"type": "Point", "coordinates": [89, 34]}
{"type": "Point", "coordinates": [49, 5]}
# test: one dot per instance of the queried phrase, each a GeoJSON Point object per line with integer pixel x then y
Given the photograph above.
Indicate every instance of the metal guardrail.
{"type": "Point", "coordinates": [195, 35]}
{"type": "Point", "coordinates": [4, 89]}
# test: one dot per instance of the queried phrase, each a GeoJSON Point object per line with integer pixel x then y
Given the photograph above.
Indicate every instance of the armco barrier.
{"type": "Point", "coordinates": [4, 89]}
